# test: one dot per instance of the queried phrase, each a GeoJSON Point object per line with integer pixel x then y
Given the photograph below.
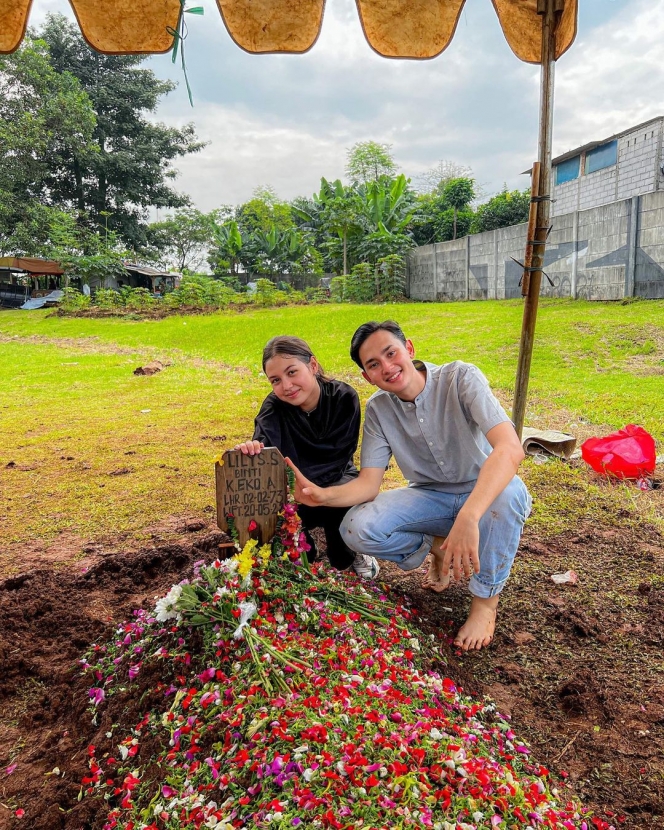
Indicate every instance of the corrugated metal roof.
{"type": "Point", "coordinates": [585, 148]}
{"type": "Point", "coordinates": [148, 271]}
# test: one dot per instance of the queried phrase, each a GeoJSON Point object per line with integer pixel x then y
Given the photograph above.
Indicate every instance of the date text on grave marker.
{"type": "Point", "coordinates": [251, 488]}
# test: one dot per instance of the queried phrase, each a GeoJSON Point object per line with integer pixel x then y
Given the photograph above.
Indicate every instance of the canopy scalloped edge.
{"type": "Point", "coordinates": [418, 29]}
{"type": "Point", "coordinates": [263, 27]}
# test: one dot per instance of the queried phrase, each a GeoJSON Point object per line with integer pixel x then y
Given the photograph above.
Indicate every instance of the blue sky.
{"type": "Point", "coordinates": [285, 120]}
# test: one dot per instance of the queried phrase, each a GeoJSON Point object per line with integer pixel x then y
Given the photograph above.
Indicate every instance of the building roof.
{"type": "Point", "coordinates": [585, 148]}
{"type": "Point", "coordinates": [148, 271]}
{"type": "Point", "coordinates": [33, 265]}
{"type": "Point", "coordinates": [592, 144]}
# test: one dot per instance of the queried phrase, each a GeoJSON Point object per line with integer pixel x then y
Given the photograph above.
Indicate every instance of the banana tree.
{"type": "Point", "coordinates": [335, 210]}
{"type": "Point", "coordinates": [392, 206]}
{"type": "Point", "coordinates": [227, 245]}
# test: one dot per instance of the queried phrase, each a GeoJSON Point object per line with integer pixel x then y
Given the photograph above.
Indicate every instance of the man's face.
{"type": "Point", "coordinates": [388, 364]}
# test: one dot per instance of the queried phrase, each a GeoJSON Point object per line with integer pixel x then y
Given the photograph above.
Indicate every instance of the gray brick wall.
{"type": "Point", "coordinates": [421, 283]}
{"type": "Point", "coordinates": [649, 260]}
{"type": "Point", "coordinates": [595, 254]}
{"type": "Point", "coordinates": [451, 270]}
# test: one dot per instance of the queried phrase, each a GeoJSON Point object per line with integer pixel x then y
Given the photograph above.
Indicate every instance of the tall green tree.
{"type": "Point", "coordinates": [504, 209]}
{"type": "Point", "coordinates": [263, 212]}
{"type": "Point", "coordinates": [457, 195]}
{"type": "Point", "coordinates": [332, 215]}
{"type": "Point", "coordinates": [444, 214]}
{"type": "Point", "coordinates": [370, 161]}
{"type": "Point", "coordinates": [224, 255]}
{"type": "Point", "coordinates": [46, 120]}
{"type": "Point", "coordinates": [132, 169]}
{"type": "Point", "coordinates": [389, 209]}
{"type": "Point", "coordinates": [184, 238]}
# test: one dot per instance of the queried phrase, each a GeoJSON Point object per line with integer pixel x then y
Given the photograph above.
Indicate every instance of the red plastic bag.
{"type": "Point", "coordinates": [628, 453]}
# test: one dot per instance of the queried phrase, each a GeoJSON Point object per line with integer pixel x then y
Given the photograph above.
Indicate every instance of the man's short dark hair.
{"type": "Point", "coordinates": [366, 330]}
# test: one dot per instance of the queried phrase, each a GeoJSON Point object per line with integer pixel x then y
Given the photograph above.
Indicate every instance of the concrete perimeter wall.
{"type": "Point", "coordinates": [605, 253]}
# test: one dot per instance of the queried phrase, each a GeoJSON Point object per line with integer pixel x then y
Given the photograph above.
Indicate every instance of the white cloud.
{"type": "Point", "coordinates": [244, 153]}
{"type": "Point", "coordinates": [287, 120]}
{"type": "Point", "coordinates": [612, 78]}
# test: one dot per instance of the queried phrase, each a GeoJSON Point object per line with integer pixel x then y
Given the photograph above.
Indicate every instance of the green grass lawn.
{"type": "Point", "coordinates": [99, 451]}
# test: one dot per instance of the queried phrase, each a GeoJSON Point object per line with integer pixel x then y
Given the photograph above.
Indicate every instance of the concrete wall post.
{"type": "Point", "coordinates": [468, 267]}
{"type": "Point", "coordinates": [632, 234]}
{"type": "Point", "coordinates": [494, 293]}
{"type": "Point", "coordinates": [575, 253]}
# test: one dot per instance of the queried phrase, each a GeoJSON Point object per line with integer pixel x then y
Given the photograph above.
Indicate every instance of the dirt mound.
{"type": "Point", "coordinates": [48, 619]}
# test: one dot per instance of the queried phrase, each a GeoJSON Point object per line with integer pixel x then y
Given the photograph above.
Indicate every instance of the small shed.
{"type": "Point", "coordinates": [24, 277]}
{"type": "Point", "coordinates": [156, 281]}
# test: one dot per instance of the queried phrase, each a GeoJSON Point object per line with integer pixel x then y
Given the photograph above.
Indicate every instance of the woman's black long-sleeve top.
{"type": "Point", "coordinates": [321, 443]}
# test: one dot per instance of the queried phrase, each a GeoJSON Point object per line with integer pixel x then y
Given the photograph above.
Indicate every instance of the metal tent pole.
{"type": "Point", "coordinates": [536, 244]}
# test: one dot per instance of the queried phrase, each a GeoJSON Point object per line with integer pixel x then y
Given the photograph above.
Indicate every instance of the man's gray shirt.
{"type": "Point", "coordinates": [438, 440]}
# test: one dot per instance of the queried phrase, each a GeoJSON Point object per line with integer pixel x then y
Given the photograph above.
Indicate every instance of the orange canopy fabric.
{"type": "Point", "coordinates": [32, 265]}
{"type": "Point", "coordinates": [394, 28]}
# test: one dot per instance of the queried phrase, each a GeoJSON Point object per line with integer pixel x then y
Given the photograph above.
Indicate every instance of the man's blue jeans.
{"type": "Point", "coordinates": [399, 525]}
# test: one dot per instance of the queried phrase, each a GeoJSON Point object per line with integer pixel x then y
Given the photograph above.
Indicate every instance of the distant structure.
{"type": "Point", "coordinates": [607, 236]}
{"type": "Point", "coordinates": [626, 164]}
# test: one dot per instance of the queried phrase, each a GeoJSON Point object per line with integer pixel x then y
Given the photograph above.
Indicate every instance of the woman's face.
{"type": "Point", "coordinates": [293, 381]}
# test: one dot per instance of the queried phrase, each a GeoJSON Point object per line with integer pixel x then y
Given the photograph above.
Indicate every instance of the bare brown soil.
{"type": "Point", "coordinates": [580, 668]}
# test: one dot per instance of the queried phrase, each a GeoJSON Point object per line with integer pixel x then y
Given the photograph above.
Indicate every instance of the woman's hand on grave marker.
{"type": "Point", "coordinates": [250, 447]}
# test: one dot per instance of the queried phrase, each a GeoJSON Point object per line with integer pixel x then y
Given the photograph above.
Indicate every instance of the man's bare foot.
{"type": "Point", "coordinates": [477, 631]}
{"type": "Point", "coordinates": [435, 578]}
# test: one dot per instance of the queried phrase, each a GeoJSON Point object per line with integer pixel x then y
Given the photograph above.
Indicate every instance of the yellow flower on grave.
{"type": "Point", "coordinates": [218, 459]}
{"type": "Point", "coordinates": [245, 559]}
{"type": "Point", "coordinates": [264, 555]}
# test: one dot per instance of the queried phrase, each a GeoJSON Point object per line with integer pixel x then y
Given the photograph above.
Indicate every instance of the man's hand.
{"type": "Point", "coordinates": [306, 492]}
{"type": "Point", "coordinates": [461, 548]}
{"type": "Point", "coordinates": [250, 447]}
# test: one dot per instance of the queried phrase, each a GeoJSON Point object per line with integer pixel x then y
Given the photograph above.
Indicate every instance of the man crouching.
{"type": "Point", "coordinates": [459, 452]}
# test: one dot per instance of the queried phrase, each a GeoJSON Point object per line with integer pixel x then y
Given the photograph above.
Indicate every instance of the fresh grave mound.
{"type": "Point", "coordinates": [262, 693]}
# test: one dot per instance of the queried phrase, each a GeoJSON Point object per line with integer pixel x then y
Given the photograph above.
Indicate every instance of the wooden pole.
{"type": "Point", "coordinates": [532, 228]}
{"type": "Point", "coordinates": [536, 243]}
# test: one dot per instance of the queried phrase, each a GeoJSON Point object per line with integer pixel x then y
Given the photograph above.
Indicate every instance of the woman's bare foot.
{"type": "Point", "coordinates": [435, 578]}
{"type": "Point", "coordinates": [477, 631]}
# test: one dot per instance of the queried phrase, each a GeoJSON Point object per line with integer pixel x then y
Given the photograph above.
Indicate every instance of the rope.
{"type": "Point", "coordinates": [179, 35]}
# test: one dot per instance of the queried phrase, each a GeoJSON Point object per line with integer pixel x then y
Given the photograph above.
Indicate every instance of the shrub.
{"type": "Point", "coordinates": [339, 289]}
{"type": "Point", "coordinates": [107, 299]}
{"type": "Point", "coordinates": [317, 295]}
{"type": "Point", "coordinates": [361, 283]}
{"type": "Point", "coordinates": [265, 293]}
{"type": "Point", "coordinates": [392, 277]}
{"type": "Point", "coordinates": [73, 300]}
{"type": "Point", "coordinates": [138, 299]}
{"type": "Point", "coordinates": [219, 295]}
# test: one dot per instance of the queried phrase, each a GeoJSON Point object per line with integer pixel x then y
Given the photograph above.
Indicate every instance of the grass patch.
{"type": "Point", "coordinates": [94, 450]}
{"type": "Point", "coordinates": [570, 495]}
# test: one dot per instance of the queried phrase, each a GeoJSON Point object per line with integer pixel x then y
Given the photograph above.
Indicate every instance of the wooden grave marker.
{"type": "Point", "coordinates": [251, 488]}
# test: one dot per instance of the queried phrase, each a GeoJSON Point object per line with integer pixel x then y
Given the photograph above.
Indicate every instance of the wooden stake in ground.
{"type": "Point", "coordinates": [251, 489]}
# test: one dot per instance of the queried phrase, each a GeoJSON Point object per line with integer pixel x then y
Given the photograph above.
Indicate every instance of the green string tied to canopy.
{"type": "Point", "coordinates": [179, 35]}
